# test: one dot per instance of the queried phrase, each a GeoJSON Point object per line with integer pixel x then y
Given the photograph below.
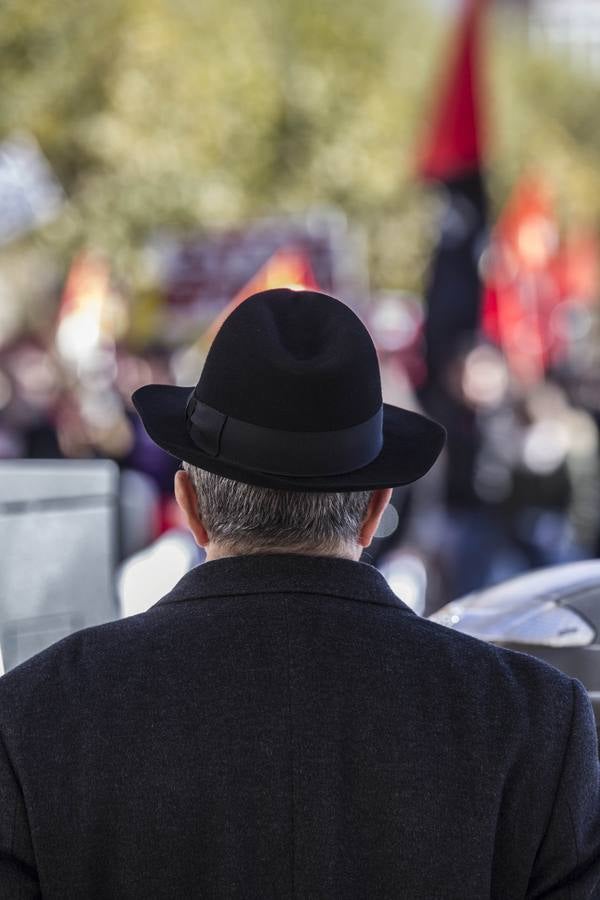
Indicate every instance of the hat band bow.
{"type": "Point", "coordinates": [279, 452]}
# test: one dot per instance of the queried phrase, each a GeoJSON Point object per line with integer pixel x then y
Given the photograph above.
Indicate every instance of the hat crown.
{"type": "Point", "coordinates": [293, 360]}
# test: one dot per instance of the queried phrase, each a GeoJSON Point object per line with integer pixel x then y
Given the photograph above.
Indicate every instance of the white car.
{"type": "Point", "coordinates": [552, 613]}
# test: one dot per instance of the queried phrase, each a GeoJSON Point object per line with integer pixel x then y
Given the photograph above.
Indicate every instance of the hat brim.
{"type": "Point", "coordinates": [411, 445]}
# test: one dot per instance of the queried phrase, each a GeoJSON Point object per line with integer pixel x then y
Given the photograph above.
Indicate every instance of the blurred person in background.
{"type": "Point", "coordinates": [31, 391]}
{"type": "Point", "coordinates": [410, 540]}
{"type": "Point", "coordinates": [281, 724]}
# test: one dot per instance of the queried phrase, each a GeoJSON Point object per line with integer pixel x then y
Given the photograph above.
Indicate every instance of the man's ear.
{"type": "Point", "coordinates": [188, 504]}
{"type": "Point", "coordinates": [378, 502]}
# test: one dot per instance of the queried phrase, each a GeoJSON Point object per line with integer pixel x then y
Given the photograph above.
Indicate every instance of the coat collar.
{"type": "Point", "coordinates": [283, 573]}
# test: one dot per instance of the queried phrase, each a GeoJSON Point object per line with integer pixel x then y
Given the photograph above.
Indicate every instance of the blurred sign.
{"type": "Point", "coordinates": [30, 196]}
{"type": "Point", "coordinates": [214, 269]}
{"type": "Point", "coordinates": [200, 276]}
{"type": "Point", "coordinates": [58, 522]}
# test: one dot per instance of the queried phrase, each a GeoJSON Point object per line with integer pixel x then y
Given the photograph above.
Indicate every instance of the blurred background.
{"type": "Point", "coordinates": [434, 164]}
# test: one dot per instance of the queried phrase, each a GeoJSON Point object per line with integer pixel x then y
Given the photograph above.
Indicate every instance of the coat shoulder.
{"type": "Point", "coordinates": [90, 651]}
{"type": "Point", "coordinates": [518, 678]}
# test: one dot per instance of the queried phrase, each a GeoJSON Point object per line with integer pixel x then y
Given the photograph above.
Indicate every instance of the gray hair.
{"type": "Point", "coordinates": [254, 519]}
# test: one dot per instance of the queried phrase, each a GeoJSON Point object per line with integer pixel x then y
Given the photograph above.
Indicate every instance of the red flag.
{"type": "Point", "coordinates": [522, 290]}
{"type": "Point", "coordinates": [85, 315]}
{"type": "Point", "coordinates": [454, 142]}
{"type": "Point", "coordinates": [577, 269]}
{"type": "Point", "coordinates": [452, 154]}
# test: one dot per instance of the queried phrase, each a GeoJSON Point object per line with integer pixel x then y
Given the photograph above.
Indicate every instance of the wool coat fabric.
{"type": "Point", "coordinates": [284, 727]}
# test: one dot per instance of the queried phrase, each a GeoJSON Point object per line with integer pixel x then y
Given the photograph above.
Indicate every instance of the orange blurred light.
{"type": "Point", "coordinates": [288, 268]}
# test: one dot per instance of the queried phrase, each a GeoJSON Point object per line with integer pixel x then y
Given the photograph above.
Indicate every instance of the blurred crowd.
{"type": "Point", "coordinates": [518, 488]}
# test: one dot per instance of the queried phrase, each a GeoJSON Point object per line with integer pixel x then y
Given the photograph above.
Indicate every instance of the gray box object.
{"type": "Point", "coordinates": [58, 534]}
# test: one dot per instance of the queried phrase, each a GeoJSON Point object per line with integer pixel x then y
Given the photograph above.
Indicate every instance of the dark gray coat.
{"type": "Point", "coordinates": [284, 727]}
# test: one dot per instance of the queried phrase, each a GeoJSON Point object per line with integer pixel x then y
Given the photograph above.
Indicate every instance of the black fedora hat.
{"type": "Point", "coordinates": [290, 398]}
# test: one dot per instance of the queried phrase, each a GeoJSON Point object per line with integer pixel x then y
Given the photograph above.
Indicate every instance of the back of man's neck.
{"type": "Point", "coordinates": [215, 551]}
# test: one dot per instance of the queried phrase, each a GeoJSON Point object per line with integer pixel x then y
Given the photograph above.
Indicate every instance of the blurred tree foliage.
{"type": "Point", "coordinates": [178, 114]}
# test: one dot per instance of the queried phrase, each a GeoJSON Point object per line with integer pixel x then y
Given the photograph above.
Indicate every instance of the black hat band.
{"type": "Point", "coordinates": [279, 452]}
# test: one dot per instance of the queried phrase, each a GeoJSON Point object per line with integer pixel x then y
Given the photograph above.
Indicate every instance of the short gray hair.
{"type": "Point", "coordinates": [252, 518]}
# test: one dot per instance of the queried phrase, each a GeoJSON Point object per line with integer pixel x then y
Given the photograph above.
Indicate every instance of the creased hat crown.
{"type": "Point", "coordinates": [294, 360]}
